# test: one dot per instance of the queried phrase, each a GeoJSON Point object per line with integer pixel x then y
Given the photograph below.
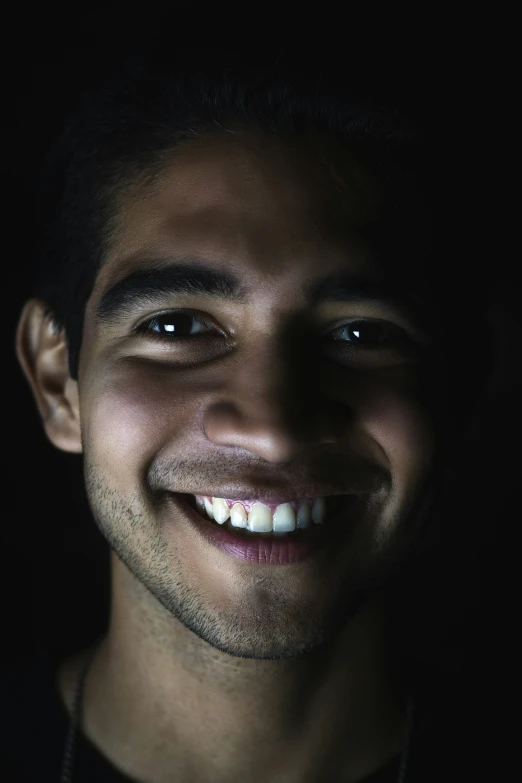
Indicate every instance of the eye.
{"type": "Point", "coordinates": [369, 333]}
{"type": "Point", "coordinates": [175, 324]}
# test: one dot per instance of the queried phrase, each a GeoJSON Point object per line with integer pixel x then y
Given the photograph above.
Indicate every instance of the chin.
{"type": "Point", "coordinates": [275, 636]}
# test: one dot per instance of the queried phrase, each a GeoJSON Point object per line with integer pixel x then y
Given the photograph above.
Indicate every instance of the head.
{"type": "Point", "coordinates": [242, 296]}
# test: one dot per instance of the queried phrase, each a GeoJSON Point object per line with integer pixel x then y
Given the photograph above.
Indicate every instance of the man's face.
{"type": "Point", "coordinates": [271, 385]}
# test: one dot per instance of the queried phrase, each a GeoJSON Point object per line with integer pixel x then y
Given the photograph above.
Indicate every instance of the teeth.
{"type": "Point", "coordinates": [221, 510]}
{"type": "Point", "coordinates": [319, 511]}
{"type": "Point", "coordinates": [284, 518]}
{"type": "Point", "coordinates": [260, 519]}
{"type": "Point", "coordinates": [238, 515]}
{"type": "Point", "coordinates": [304, 516]}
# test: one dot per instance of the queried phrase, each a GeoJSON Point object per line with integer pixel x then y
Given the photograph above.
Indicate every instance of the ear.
{"type": "Point", "coordinates": [41, 349]}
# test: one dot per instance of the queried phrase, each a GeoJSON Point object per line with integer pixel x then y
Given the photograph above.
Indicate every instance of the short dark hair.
{"type": "Point", "coordinates": [122, 131]}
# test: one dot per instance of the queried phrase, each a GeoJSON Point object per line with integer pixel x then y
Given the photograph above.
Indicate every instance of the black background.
{"type": "Point", "coordinates": [55, 562]}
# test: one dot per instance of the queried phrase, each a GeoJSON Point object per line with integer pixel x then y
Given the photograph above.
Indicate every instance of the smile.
{"type": "Point", "coordinates": [257, 516]}
{"type": "Point", "coordinates": [267, 532]}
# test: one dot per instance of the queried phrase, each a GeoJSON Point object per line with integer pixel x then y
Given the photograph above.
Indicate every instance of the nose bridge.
{"type": "Point", "coordinates": [260, 408]}
{"type": "Point", "coordinates": [266, 386]}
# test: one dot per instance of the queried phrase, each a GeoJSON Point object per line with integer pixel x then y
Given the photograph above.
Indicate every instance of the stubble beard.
{"type": "Point", "coordinates": [279, 631]}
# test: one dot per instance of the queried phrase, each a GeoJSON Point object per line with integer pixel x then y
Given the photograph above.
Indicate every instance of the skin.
{"type": "Point", "coordinates": [213, 668]}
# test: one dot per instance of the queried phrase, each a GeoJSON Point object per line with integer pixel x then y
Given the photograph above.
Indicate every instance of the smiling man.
{"type": "Point", "coordinates": [235, 329]}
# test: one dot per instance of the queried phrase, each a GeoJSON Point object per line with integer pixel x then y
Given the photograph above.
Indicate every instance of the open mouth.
{"type": "Point", "coordinates": [267, 519]}
{"type": "Point", "coordinates": [263, 532]}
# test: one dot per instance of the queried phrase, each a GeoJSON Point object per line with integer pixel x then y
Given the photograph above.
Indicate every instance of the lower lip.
{"type": "Point", "coordinates": [269, 550]}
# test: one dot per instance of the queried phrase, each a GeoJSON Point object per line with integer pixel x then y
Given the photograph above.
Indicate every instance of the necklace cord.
{"type": "Point", "coordinates": [68, 754]}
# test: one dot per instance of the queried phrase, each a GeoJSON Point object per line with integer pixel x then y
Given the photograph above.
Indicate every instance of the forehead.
{"type": "Point", "coordinates": [250, 202]}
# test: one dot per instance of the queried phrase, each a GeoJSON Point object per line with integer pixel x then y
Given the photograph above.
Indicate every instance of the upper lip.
{"type": "Point", "coordinates": [357, 481]}
{"type": "Point", "coordinates": [271, 495]}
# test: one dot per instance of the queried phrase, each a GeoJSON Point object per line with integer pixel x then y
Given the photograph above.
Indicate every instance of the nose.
{"type": "Point", "coordinates": [270, 409]}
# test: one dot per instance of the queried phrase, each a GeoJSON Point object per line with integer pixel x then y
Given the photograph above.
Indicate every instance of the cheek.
{"type": "Point", "coordinates": [403, 430]}
{"type": "Point", "coordinates": [127, 417]}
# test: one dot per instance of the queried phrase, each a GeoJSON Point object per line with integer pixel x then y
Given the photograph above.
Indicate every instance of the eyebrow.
{"type": "Point", "coordinates": [148, 285]}
{"type": "Point", "coordinates": [352, 288]}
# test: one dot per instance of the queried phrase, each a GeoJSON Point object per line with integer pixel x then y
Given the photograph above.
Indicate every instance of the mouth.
{"type": "Point", "coordinates": [267, 531]}
{"type": "Point", "coordinates": [265, 517]}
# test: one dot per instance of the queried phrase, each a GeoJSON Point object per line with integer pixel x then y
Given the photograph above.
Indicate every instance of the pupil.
{"type": "Point", "coordinates": [179, 324]}
{"type": "Point", "coordinates": [363, 332]}
{"type": "Point", "coordinates": [370, 332]}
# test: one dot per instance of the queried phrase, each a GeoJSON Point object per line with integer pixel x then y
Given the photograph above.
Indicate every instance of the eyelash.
{"type": "Point", "coordinates": [151, 326]}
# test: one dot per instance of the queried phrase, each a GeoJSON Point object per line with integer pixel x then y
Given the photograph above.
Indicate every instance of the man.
{"type": "Point", "coordinates": [239, 326]}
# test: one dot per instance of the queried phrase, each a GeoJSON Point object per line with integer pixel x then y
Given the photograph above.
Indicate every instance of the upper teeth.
{"type": "Point", "coordinates": [260, 518]}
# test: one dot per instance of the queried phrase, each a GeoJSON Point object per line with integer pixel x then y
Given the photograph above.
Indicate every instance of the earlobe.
{"type": "Point", "coordinates": [41, 348]}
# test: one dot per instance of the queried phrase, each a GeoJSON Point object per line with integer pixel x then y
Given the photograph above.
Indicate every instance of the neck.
{"type": "Point", "coordinates": [159, 700]}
